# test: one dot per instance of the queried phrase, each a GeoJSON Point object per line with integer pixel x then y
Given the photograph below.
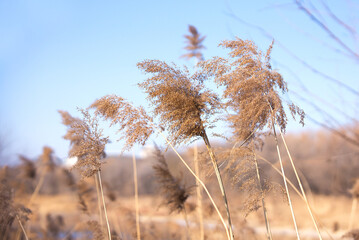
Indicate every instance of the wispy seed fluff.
{"type": "Point", "coordinates": [87, 142]}
{"type": "Point", "coordinates": [133, 122]}
{"type": "Point", "coordinates": [251, 87]}
{"type": "Point", "coordinates": [180, 100]}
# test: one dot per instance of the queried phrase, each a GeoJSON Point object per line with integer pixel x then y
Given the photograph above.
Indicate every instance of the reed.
{"type": "Point", "coordinates": [88, 146]}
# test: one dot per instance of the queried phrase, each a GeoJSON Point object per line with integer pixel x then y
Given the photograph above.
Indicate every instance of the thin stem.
{"type": "Point", "coordinates": [136, 196]}
{"type": "Point", "coordinates": [300, 184]}
{"type": "Point", "coordinates": [199, 180]}
{"type": "Point", "coordinates": [269, 233]}
{"type": "Point", "coordinates": [191, 171]}
{"type": "Point", "coordinates": [34, 194]}
{"type": "Point", "coordinates": [199, 193]}
{"type": "Point", "coordinates": [37, 188]}
{"type": "Point", "coordinates": [294, 188]}
{"type": "Point", "coordinates": [285, 183]}
{"type": "Point", "coordinates": [295, 171]}
{"type": "Point", "coordinates": [99, 199]}
{"type": "Point", "coordinates": [220, 182]}
{"type": "Point", "coordinates": [104, 205]}
{"type": "Point", "coordinates": [22, 227]}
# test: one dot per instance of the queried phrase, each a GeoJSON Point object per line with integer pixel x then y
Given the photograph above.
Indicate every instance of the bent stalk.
{"type": "Point", "coordinates": [220, 182]}
{"type": "Point", "coordinates": [285, 184]}
{"type": "Point", "coordinates": [104, 205]}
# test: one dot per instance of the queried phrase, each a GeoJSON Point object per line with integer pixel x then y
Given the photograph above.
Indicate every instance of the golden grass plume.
{"type": "Point", "coordinates": [180, 100]}
{"type": "Point", "coordinates": [133, 122]}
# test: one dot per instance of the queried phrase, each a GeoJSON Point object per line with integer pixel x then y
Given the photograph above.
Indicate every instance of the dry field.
{"type": "Point", "coordinates": [157, 223]}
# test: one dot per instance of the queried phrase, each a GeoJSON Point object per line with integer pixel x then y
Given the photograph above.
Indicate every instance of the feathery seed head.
{"type": "Point", "coordinates": [181, 101]}
{"type": "Point", "coordinates": [250, 86]}
{"type": "Point", "coordinates": [194, 44]}
{"type": "Point", "coordinates": [87, 142]}
{"type": "Point", "coordinates": [133, 122]}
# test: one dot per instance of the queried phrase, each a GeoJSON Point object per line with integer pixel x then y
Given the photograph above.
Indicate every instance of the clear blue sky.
{"type": "Point", "coordinates": [64, 54]}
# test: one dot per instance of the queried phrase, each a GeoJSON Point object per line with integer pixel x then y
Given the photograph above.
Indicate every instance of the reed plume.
{"type": "Point", "coordinates": [133, 122]}
{"type": "Point", "coordinates": [194, 44]}
{"type": "Point", "coordinates": [251, 87]}
{"type": "Point", "coordinates": [87, 142]}
{"type": "Point", "coordinates": [88, 146]}
{"type": "Point", "coordinates": [181, 101]}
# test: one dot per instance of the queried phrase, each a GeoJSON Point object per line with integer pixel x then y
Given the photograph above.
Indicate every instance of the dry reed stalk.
{"type": "Point", "coordinates": [175, 193]}
{"type": "Point", "coordinates": [285, 183]}
{"type": "Point", "coordinates": [136, 196]}
{"type": "Point", "coordinates": [47, 166]}
{"type": "Point", "coordinates": [268, 229]}
{"type": "Point", "coordinates": [294, 188]}
{"type": "Point", "coordinates": [298, 179]}
{"type": "Point", "coordinates": [22, 227]}
{"type": "Point", "coordinates": [220, 182]}
{"type": "Point", "coordinates": [38, 187]}
{"type": "Point", "coordinates": [104, 205]}
{"type": "Point", "coordinates": [199, 192]}
{"type": "Point", "coordinates": [138, 126]}
{"type": "Point", "coordinates": [99, 199]}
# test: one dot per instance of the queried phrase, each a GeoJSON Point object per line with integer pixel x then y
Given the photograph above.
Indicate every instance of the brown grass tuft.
{"type": "Point", "coordinates": [174, 192]}
{"type": "Point", "coordinates": [9, 211]}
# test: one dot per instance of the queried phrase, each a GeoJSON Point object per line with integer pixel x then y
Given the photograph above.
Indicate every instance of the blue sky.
{"type": "Point", "coordinates": [60, 55]}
